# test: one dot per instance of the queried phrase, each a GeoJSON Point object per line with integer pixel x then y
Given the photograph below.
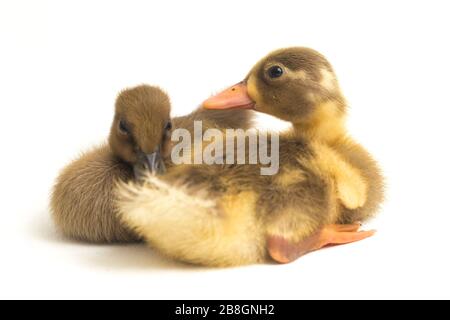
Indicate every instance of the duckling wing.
{"type": "Point", "coordinates": [82, 202]}
{"type": "Point", "coordinates": [357, 156]}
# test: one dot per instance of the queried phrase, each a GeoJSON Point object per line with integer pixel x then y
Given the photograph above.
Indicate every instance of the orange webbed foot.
{"type": "Point", "coordinates": [284, 251]}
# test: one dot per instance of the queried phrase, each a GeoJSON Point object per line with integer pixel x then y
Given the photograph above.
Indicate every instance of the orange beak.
{"type": "Point", "coordinates": [235, 97]}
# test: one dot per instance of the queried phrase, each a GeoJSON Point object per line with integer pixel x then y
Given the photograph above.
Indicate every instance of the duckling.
{"type": "Point", "coordinates": [232, 215]}
{"type": "Point", "coordinates": [82, 203]}
{"type": "Point", "coordinates": [299, 85]}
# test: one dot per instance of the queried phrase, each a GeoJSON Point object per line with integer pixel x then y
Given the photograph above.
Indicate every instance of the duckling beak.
{"type": "Point", "coordinates": [152, 162]}
{"type": "Point", "coordinates": [234, 97]}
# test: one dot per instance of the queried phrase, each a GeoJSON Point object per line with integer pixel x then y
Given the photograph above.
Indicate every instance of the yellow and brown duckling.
{"type": "Point", "coordinates": [82, 202]}
{"type": "Point", "coordinates": [299, 85]}
{"type": "Point", "coordinates": [231, 215]}
{"type": "Point", "coordinates": [225, 215]}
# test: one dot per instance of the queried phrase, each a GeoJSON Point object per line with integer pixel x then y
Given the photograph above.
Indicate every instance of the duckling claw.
{"type": "Point", "coordinates": [284, 251]}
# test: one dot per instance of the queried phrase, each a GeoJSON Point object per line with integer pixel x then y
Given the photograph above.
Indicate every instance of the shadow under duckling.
{"type": "Point", "coordinates": [82, 202]}
{"type": "Point", "coordinates": [299, 85]}
{"type": "Point", "coordinates": [231, 215]}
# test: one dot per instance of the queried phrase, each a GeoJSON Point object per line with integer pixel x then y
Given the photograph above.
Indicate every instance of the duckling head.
{"type": "Point", "coordinates": [294, 84]}
{"type": "Point", "coordinates": [141, 128]}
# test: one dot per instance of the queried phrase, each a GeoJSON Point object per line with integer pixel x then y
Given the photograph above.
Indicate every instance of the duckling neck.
{"type": "Point", "coordinates": [327, 124]}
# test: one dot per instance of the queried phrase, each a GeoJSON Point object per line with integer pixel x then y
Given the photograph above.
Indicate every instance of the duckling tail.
{"type": "Point", "coordinates": [183, 224]}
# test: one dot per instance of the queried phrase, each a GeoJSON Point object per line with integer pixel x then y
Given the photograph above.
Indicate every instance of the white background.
{"type": "Point", "coordinates": [63, 62]}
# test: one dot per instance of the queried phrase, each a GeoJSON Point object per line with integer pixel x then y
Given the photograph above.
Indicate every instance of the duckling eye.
{"type": "Point", "coordinates": [123, 127]}
{"type": "Point", "coordinates": [168, 126]}
{"type": "Point", "coordinates": [275, 72]}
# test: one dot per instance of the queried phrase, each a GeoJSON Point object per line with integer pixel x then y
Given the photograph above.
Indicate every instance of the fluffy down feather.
{"type": "Point", "coordinates": [183, 224]}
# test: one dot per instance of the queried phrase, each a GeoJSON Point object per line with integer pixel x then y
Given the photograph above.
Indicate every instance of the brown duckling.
{"type": "Point", "coordinates": [299, 85]}
{"type": "Point", "coordinates": [82, 200]}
